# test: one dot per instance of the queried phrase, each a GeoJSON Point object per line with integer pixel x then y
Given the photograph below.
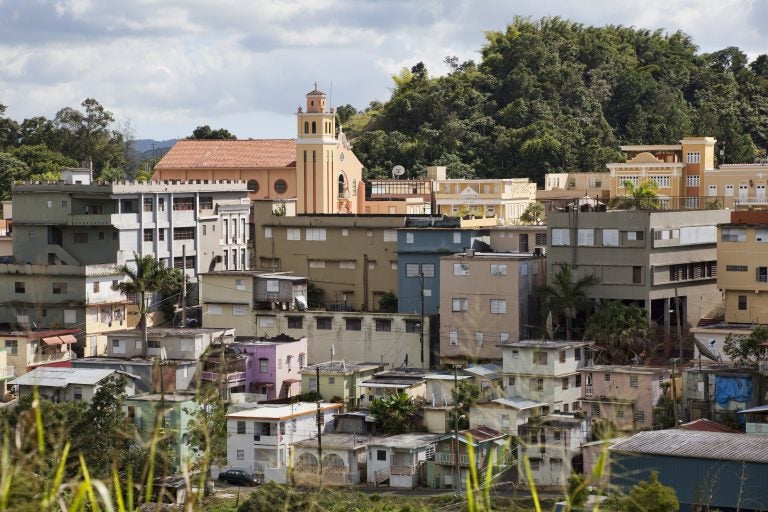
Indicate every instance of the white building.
{"type": "Point", "coordinates": [67, 384]}
{"type": "Point", "coordinates": [550, 444]}
{"type": "Point", "coordinates": [545, 371]}
{"type": "Point", "coordinates": [259, 437]}
{"type": "Point", "coordinates": [397, 458]}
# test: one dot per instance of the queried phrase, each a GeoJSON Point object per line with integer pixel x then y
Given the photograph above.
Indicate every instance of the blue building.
{"type": "Point", "coordinates": [707, 470]}
{"type": "Point", "coordinates": [419, 247]}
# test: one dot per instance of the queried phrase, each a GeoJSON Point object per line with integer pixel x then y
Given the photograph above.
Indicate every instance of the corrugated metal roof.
{"type": "Point", "coordinates": [519, 403]}
{"type": "Point", "coordinates": [698, 445]}
{"type": "Point", "coordinates": [61, 377]}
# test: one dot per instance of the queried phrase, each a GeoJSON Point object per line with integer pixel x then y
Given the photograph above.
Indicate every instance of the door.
{"type": "Point", "coordinates": [743, 191]}
{"type": "Point", "coordinates": [760, 192]}
{"type": "Point", "coordinates": [523, 242]}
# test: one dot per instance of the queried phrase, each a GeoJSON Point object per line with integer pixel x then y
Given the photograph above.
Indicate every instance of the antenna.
{"type": "Point", "coordinates": [398, 171]}
{"type": "Point", "coordinates": [330, 96]}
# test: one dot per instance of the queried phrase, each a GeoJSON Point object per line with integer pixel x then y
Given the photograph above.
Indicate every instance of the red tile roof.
{"type": "Point", "coordinates": [705, 425]}
{"type": "Point", "coordinates": [230, 154]}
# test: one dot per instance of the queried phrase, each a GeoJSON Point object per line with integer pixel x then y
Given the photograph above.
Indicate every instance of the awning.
{"type": "Point", "coordinates": [52, 340]}
{"type": "Point", "coordinates": [302, 301]}
{"type": "Point", "coordinates": [291, 381]}
{"type": "Point", "coordinates": [68, 338]}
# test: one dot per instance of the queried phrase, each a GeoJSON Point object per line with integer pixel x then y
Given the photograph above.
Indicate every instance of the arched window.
{"type": "Point", "coordinates": [253, 186]}
{"type": "Point", "coordinates": [281, 186]}
{"type": "Point", "coordinates": [342, 184]}
{"type": "Point", "coordinates": [314, 127]}
{"type": "Point", "coordinates": [306, 126]}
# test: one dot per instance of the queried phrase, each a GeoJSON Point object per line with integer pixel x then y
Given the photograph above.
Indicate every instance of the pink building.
{"type": "Point", "coordinates": [626, 395]}
{"type": "Point", "coordinates": [273, 365]}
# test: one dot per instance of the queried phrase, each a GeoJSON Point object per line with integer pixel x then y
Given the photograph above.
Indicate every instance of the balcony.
{"type": "Point", "coordinates": [259, 439]}
{"type": "Point", "coordinates": [7, 372]}
{"type": "Point", "coordinates": [402, 470]}
{"type": "Point", "coordinates": [760, 200]}
{"type": "Point", "coordinates": [51, 357]}
{"type": "Point", "coordinates": [231, 378]}
{"type": "Point", "coordinates": [449, 459]}
{"type": "Point", "coordinates": [588, 392]}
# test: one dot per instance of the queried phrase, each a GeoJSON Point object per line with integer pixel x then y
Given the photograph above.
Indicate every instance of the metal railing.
{"type": "Point", "coordinates": [588, 392]}
{"type": "Point", "coordinates": [588, 204]}
{"type": "Point", "coordinates": [402, 470]}
{"type": "Point", "coordinates": [7, 372]}
{"type": "Point", "coordinates": [450, 458]}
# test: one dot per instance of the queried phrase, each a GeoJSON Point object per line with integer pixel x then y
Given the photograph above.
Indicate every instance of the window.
{"type": "Point", "coordinates": [693, 158]}
{"type": "Point", "coordinates": [453, 338]}
{"type": "Point", "coordinates": [80, 238]}
{"type": "Point", "coordinates": [240, 284]}
{"type": "Point", "coordinates": [267, 232]}
{"type": "Point", "coordinates": [577, 354]}
{"type": "Point", "coordinates": [607, 377]}
{"type": "Point", "coordinates": [96, 287]}
{"type": "Point", "coordinates": [412, 326]}
{"type": "Point", "coordinates": [331, 380]}
{"type": "Point", "coordinates": [149, 235]}
{"type": "Point", "coordinates": [371, 265]}
{"type": "Point", "coordinates": [729, 234]}
{"type": "Point", "coordinates": [293, 233]}
{"type": "Point", "coordinates": [118, 347]}
{"type": "Point", "coordinates": [428, 269]}
{"type": "Point", "coordinates": [595, 410]}
{"type": "Point", "coordinates": [661, 181]}
{"type": "Point", "coordinates": [578, 380]}
{"type": "Point", "coordinates": [409, 238]}
{"type": "Point", "coordinates": [412, 270]}
{"type": "Point", "coordinates": [267, 321]}
{"type": "Point", "coordinates": [498, 270]}
{"type": "Point", "coordinates": [742, 302]}
{"type": "Point", "coordinates": [273, 286]}
{"type": "Point", "coordinates": [459, 304]}
{"type": "Point", "coordinates": [59, 288]}
{"type": "Point", "coordinates": [354, 324]}
{"type": "Point", "coordinates": [183, 233]}
{"type": "Point", "coordinates": [541, 239]}
{"type": "Point", "coordinates": [315, 234]}
{"type": "Point", "coordinates": [535, 464]}
{"type": "Point", "coordinates": [562, 356]}
{"type": "Point", "coordinates": [460, 269]}
{"type": "Point", "coordinates": [183, 203]}
{"type": "Point", "coordinates": [610, 237]}
{"type": "Point", "coordinates": [263, 365]}
{"type": "Point", "coordinates": [761, 235]}
{"type": "Point", "coordinates": [161, 204]}
{"type": "Point", "coordinates": [640, 417]}
{"type": "Point", "coordinates": [12, 346]}
{"type": "Point", "coordinates": [281, 186]}
{"type": "Point", "coordinates": [393, 265]}
{"type": "Point", "coordinates": [214, 309]}
{"type": "Point", "coordinates": [634, 381]}
{"type": "Point", "coordinates": [498, 306]}
{"type": "Point", "coordinates": [390, 235]}
{"type": "Point", "coordinates": [153, 344]}
{"type": "Point", "coordinates": [729, 190]}
{"type": "Point", "coordinates": [295, 322]}
{"type": "Point", "coordinates": [161, 235]}
{"type": "Point", "coordinates": [323, 323]}
{"type": "Point", "coordinates": [635, 235]}
{"type": "Point", "coordinates": [381, 455]}
{"type": "Point", "coordinates": [148, 204]}
{"type": "Point", "coordinates": [206, 203]}
{"type": "Point", "coordinates": [316, 263]}
{"type": "Point", "coordinates": [537, 384]}
{"type": "Point", "coordinates": [539, 358]}
{"type": "Point", "coordinates": [692, 181]}
{"type": "Point", "coordinates": [240, 311]}
{"type": "Point", "coordinates": [479, 338]}
{"type": "Point", "coordinates": [561, 236]}
{"type": "Point", "coordinates": [241, 427]}
{"type": "Point", "coordinates": [503, 337]}
{"type": "Point", "coordinates": [241, 453]}
{"type": "Point", "coordinates": [619, 411]}
{"type": "Point", "coordinates": [586, 237]}
{"type": "Point", "coordinates": [637, 275]}
{"type": "Point", "coordinates": [19, 287]}
{"type": "Point", "coordinates": [383, 324]}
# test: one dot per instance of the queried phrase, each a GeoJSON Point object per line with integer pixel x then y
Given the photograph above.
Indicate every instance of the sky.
{"type": "Point", "coordinates": [167, 66]}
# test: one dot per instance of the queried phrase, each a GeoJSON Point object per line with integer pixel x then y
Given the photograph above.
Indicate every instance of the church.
{"type": "Point", "coordinates": [317, 171]}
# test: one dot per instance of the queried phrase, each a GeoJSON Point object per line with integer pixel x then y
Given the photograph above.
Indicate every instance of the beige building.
{"type": "Point", "coordinates": [572, 185]}
{"type": "Point", "coordinates": [532, 239]}
{"type": "Point", "coordinates": [353, 260]}
{"type": "Point", "coordinates": [27, 350]}
{"type": "Point", "coordinates": [740, 186]}
{"type": "Point", "coordinates": [742, 254]}
{"type": "Point", "coordinates": [486, 300]}
{"type": "Point", "coordinates": [503, 199]}
{"type": "Point", "coordinates": [642, 256]}
{"type": "Point", "coordinates": [339, 380]}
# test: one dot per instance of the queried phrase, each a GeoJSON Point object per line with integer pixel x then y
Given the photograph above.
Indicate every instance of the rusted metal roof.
{"type": "Point", "coordinates": [698, 445]}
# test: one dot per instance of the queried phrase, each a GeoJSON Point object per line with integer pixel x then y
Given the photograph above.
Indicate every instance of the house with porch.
{"type": "Point", "coordinates": [506, 414]}
{"type": "Point", "coordinates": [338, 380]}
{"type": "Point", "coordinates": [410, 381]}
{"type": "Point", "coordinates": [26, 350]}
{"type": "Point", "coordinates": [490, 447]}
{"type": "Point", "coordinates": [344, 460]}
{"type": "Point", "coordinates": [396, 461]}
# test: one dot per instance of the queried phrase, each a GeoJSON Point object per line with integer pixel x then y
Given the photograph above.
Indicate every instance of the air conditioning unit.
{"type": "Point", "coordinates": [219, 259]}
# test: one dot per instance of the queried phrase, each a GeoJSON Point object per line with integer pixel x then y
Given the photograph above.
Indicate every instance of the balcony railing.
{"type": "Point", "coordinates": [751, 200]}
{"type": "Point", "coordinates": [231, 377]}
{"type": "Point", "coordinates": [446, 458]}
{"type": "Point", "coordinates": [588, 392]}
{"type": "Point", "coordinates": [7, 372]}
{"type": "Point", "coordinates": [52, 357]}
{"type": "Point", "coordinates": [628, 203]}
{"type": "Point", "coordinates": [402, 470]}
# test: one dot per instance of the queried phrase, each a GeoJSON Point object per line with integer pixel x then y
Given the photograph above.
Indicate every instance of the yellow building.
{"type": "Point", "coordinates": [504, 199]}
{"type": "Point", "coordinates": [739, 185]}
{"type": "Point", "coordinates": [742, 256]}
{"type": "Point", "coordinates": [677, 169]}
{"type": "Point", "coordinates": [573, 185]}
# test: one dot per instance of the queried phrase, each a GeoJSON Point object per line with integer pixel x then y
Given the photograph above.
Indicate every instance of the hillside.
{"type": "Point", "coordinates": [555, 95]}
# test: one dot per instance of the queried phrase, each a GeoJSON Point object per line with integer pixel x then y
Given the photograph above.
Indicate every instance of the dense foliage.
{"type": "Point", "coordinates": [555, 95]}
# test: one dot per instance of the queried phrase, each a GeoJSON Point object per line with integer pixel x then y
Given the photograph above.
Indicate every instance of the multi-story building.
{"type": "Point", "coordinates": [487, 300]}
{"type": "Point", "coordinates": [168, 343]}
{"type": "Point", "coordinates": [273, 366]}
{"type": "Point", "coordinates": [490, 452]}
{"type": "Point", "coordinates": [259, 437]}
{"type": "Point", "coordinates": [550, 444]}
{"type": "Point", "coordinates": [29, 349]}
{"type": "Point", "coordinates": [627, 396]}
{"type": "Point", "coordinates": [67, 384]}
{"type": "Point", "coordinates": [406, 381]}
{"type": "Point", "coordinates": [503, 199]}
{"type": "Point", "coordinates": [528, 239]}
{"type": "Point", "coordinates": [506, 414]}
{"type": "Point", "coordinates": [644, 256]}
{"type": "Point", "coordinates": [739, 186]}
{"type": "Point", "coordinates": [317, 170]}
{"type": "Point", "coordinates": [547, 372]}
{"type": "Point", "coordinates": [573, 185]}
{"type": "Point", "coordinates": [339, 380]}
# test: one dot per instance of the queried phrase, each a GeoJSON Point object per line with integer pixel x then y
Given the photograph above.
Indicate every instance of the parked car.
{"type": "Point", "coordinates": [238, 477]}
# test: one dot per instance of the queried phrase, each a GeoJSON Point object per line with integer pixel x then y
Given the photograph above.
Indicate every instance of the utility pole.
{"type": "Point", "coordinates": [421, 324]}
{"type": "Point", "coordinates": [319, 429]}
{"type": "Point", "coordinates": [456, 424]}
{"type": "Point", "coordinates": [679, 327]}
{"type": "Point", "coordinates": [184, 285]}
{"type": "Point", "coordinates": [674, 393]}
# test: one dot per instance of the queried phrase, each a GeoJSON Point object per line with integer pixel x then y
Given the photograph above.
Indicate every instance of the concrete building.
{"type": "Point", "coordinates": [738, 186]}
{"type": "Point", "coordinates": [524, 239]}
{"type": "Point", "coordinates": [550, 444]}
{"type": "Point", "coordinates": [547, 372]}
{"type": "Point", "coordinates": [642, 256]}
{"type": "Point", "coordinates": [273, 366]}
{"type": "Point", "coordinates": [344, 460]}
{"type": "Point", "coordinates": [506, 414]}
{"type": "Point", "coordinates": [717, 392]}
{"type": "Point", "coordinates": [259, 437]}
{"type": "Point", "coordinates": [317, 170]}
{"type": "Point", "coordinates": [490, 453]}
{"type": "Point", "coordinates": [397, 460]}
{"type": "Point", "coordinates": [67, 384]}
{"type": "Point", "coordinates": [628, 396]}
{"type": "Point", "coordinates": [339, 380]}
{"type": "Point", "coordinates": [407, 381]}
{"type": "Point", "coordinates": [6, 374]}
{"type": "Point", "coordinates": [153, 376]}
{"type": "Point", "coordinates": [486, 301]}
{"type": "Point", "coordinates": [27, 350]}
{"type": "Point", "coordinates": [167, 343]}
{"type": "Point", "coordinates": [502, 199]}
{"type": "Point", "coordinates": [6, 231]}
{"type": "Point", "coordinates": [573, 185]}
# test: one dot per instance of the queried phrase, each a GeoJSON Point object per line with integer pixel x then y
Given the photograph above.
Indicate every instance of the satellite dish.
{"type": "Point", "coordinates": [397, 171]}
{"type": "Point", "coordinates": [707, 352]}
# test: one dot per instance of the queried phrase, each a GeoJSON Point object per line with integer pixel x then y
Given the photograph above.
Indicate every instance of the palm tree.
{"type": "Point", "coordinates": [149, 276]}
{"type": "Point", "coordinates": [623, 330]}
{"type": "Point", "coordinates": [566, 296]}
{"type": "Point", "coordinates": [645, 195]}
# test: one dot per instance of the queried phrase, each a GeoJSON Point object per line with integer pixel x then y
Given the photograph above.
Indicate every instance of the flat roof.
{"type": "Point", "coordinates": [338, 441]}
{"type": "Point", "coordinates": [697, 445]}
{"type": "Point", "coordinates": [169, 331]}
{"type": "Point", "coordinates": [156, 397]}
{"type": "Point", "coordinates": [492, 256]}
{"type": "Point", "coordinates": [555, 344]}
{"type": "Point", "coordinates": [340, 367]}
{"type": "Point", "coordinates": [651, 147]}
{"type": "Point", "coordinates": [519, 402]}
{"type": "Point", "coordinates": [409, 440]}
{"type": "Point", "coordinates": [615, 368]}
{"type": "Point", "coordinates": [281, 411]}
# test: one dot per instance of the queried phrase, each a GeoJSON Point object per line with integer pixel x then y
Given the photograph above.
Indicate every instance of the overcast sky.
{"type": "Point", "coordinates": [171, 65]}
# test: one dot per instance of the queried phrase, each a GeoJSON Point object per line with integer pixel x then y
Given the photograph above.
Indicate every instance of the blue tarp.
{"type": "Point", "coordinates": [732, 388]}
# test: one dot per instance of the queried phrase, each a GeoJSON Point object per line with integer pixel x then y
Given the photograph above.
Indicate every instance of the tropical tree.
{"type": "Point", "coordinates": [532, 213]}
{"type": "Point", "coordinates": [644, 196]}
{"type": "Point", "coordinates": [747, 350]}
{"type": "Point", "coordinates": [148, 276]}
{"type": "Point", "coordinates": [393, 413]}
{"type": "Point", "coordinates": [623, 331]}
{"type": "Point", "coordinates": [465, 396]}
{"type": "Point", "coordinates": [208, 133]}
{"type": "Point", "coordinates": [566, 295]}
{"type": "Point", "coordinates": [208, 428]}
